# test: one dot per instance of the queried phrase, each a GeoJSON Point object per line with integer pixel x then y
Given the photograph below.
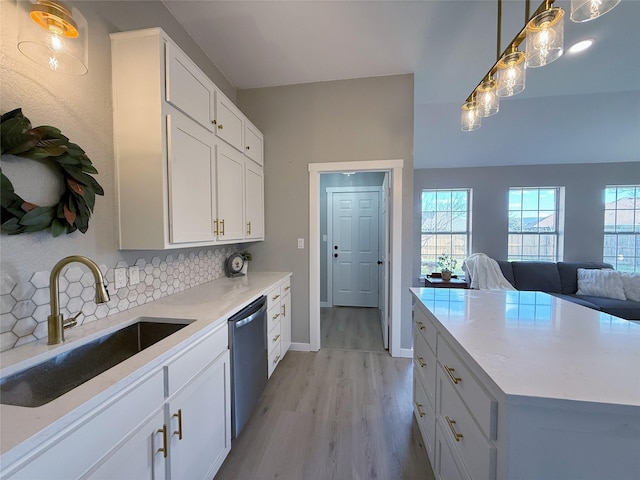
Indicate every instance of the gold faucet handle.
{"type": "Point", "coordinates": [73, 321]}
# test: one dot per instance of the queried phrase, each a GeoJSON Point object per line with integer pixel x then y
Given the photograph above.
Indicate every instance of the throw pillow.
{"type": "Point", "coordinates": [631, 285]}
{"type": "Point", "coordinates": [600, 283]}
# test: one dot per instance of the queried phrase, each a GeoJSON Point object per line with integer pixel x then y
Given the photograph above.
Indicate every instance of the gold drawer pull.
{"type": "Point", "coordinates": [222, 227]}
{"type": "Point", "coordinates": [450, 371]}
{"type": "Point", "coordinates": [421, 362]}
{"type": "Point", "coordinates": [275, 316]}
{"type": "Point", "coordinates": [456, 435]}
{"type": "Point", "coordinates": [284, 310]}
{"type": "Point", "coordinates": [275, 360]}
{"type": "Point", "coordinates": [179, 431]}
{"type": "Point", "coordinates": [220, 126]}
{"type": "Point", "coordinates": [215, 231]}
{"type": "Point", "coordinates": [275, 297]}
{"type": "Point", "coordinates": [276, 338]}
{"type": "Point", "coordinates": [420, 412]}
{"type": "Point", "coordinates": [420, 325]}
{"type": "Point", "coordinates": [163, 431]}
{"type": "Point", "coordinates": [287, 288]}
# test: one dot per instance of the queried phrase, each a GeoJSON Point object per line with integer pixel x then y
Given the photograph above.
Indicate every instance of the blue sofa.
{"type": "Point", "coordinates": [561, 280]}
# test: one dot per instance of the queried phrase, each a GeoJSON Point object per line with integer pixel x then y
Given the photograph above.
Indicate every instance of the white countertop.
{"type": "Point", "coordinates": [531, 344]}
{"type": "Point", "coordinates": [209, 305]}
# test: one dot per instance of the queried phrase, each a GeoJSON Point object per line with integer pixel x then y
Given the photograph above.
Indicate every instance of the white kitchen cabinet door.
{"type": "Point", "coordinates": [230, 194]}
{"type": "Point", "coordinates": [229, 122]}
{"type": "Point", "coordinates": [191, 181]}
{"type": "Point", "coordinates": [253, 143]}
{"type": "Point", "coordinates": [199, 421]}
{"type": "Point", "coordinates": [141, 457]}
{"type": "Point", "coordinates": [187, 88]}
{"type": "Point", "coordinates": [254, 183]}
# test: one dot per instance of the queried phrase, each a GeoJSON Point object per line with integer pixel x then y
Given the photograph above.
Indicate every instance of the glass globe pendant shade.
{"type": "Point", "coordinates": [487, 99]}
{"type": "Point", "coordinates": [54, 36]}
{"type": "Point", "coordinates": [470, 120]}
{"type": "Point", "coordinates": [585, 10]}
{"type": "Point", "coordinates": [545, 37]}
{"type": "Point", "coordinates": [511, 74]}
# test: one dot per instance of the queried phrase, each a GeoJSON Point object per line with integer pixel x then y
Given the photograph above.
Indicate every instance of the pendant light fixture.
{"type": "Point", "coordinates": [487, 98]}
{"type": "Point", "coordinates": [470, 118]}
{"type": "Point", "coordinates": [545, 37]}
{"type": "Point", "coordinates": [586, 10]}
{"type": "Point", "coordinates": [511, 73]}
{"type": "Point", "coordinates": [53, 35]}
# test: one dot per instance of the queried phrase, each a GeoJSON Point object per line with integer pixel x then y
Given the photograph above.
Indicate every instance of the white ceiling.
{"type": "Point", "coordinates": [581, 108]}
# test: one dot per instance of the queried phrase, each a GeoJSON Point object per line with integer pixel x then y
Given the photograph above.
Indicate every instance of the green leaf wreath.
{"type": "Point", "coordinates": [75, 206]}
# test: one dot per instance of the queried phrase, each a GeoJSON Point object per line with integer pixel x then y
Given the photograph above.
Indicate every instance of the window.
{"type": "Point", "coordinates": [446, 220]}
{"type": "Point", "coordinates": [534, 220]}
{"type": "Point", "coordinates": [622, 227]}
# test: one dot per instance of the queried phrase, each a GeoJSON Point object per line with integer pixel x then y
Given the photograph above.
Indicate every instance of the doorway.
{"type": "Point", "coordinates": [392, 264]}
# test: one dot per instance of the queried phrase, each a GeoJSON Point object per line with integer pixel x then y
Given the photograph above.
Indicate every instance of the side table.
{"type": "Point", "coordinates": [439, 283]}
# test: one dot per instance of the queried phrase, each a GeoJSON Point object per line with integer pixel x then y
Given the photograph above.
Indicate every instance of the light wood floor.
{"type": "Point", "coordinates": [352, 328]}
{"type": "Point", "coordinates": [335, 414]}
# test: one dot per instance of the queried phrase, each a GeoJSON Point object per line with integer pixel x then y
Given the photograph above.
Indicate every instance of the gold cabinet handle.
{"type": "Point", "coordinates": [163, 431]}
{"type": "Point", "coordinates": [275, 297]}
{"type": "Point", "coordinates": [456, 435]}
{"type": "Point", "coordinates": [248, 147]}
{"type": "Point", "coordinates": [421, 361]}
{"type": "Point", "coordinates": [220, 127]}
{"type": "Point", "coordinates": [179, 431]}
{"type": "Point", "coordinates": [275, 316]}
{"type": "Point", "coordinates": [420, 325]}
{"type": "Point", "coordinates": [215, 230]}
{"type": "Point", "coordinates": [222, 227]}
{"type": "Point", "coordinates": [248, 228]}
{"type": "Point", "coordinates": [419, 407]}
{"type": "Point", "coordinates": [284, 310]}
{"type": "Point", "coordinates": [450, 371]}
{"type": "Point", "coordinates": [276, 338]}
{"type": "Point", "coordinates": [214, 122]}
{"type": "Point", "coordinates": [287, 288]}
{"type": "Point", "coordinates": [275, 360]}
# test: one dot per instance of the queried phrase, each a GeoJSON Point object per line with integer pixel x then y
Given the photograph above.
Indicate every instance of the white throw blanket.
{"type": "Point", "coordinates": [483, 273]}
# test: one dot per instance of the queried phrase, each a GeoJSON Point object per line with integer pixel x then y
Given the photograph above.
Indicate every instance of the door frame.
{"type": "Point", "coordinates": [330, 192]}
{"type": "Point", "coordinates": [395, 168]}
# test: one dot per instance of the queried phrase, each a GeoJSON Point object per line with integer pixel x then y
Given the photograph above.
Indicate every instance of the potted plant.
{"type": "Point", "coordinates": [447, 264]}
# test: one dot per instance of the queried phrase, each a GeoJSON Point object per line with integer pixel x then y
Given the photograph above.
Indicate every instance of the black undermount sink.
{"type": "Point", "coordinates": [46, 381]}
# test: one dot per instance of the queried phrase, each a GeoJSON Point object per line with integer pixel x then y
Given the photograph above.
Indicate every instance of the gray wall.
{"type": "Point", "coordinates": [584, 202]}
{"type": "Point", "coordinates": [327, 180]}
{"type": "Point", "coordinates": [349, 120]}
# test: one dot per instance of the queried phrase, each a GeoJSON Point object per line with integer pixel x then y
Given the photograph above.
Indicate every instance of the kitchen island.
{"type": "Point", "coordinates": [132, 403]}
{"type": "Point", "coordinates": [519, 385]}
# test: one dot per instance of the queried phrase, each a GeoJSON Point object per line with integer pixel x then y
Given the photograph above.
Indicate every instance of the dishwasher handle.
{"type": "Point", "coordinates": [244, 321]}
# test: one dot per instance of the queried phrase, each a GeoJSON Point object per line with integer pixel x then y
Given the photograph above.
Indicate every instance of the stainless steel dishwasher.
{"type": "Point", "coordinates": [248, 343]}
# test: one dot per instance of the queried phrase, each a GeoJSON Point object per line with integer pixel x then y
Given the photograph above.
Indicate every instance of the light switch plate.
{"type": "Point", "coordinates": [120, 279]}
{"type": "Point", "coordinates": [134, 275]}
{"type": "Point", "coordinates": [301, 243]}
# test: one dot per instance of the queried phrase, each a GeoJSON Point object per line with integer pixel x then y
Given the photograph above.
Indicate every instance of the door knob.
{"type": "Point", "coordinates": [335, 255]}
{"type": "Point", "coordinates": [379, 262]}
{"type": "Point", "coordinates": [335, 247]}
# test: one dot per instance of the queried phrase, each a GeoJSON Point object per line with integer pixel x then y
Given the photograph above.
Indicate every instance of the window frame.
{"type": "Point", "coordinates": [630, 235]}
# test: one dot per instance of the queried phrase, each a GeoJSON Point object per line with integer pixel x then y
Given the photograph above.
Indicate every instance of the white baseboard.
{"type": "Point", "coordinates": [300, 347]}
{"type": "Point", "coordinates": [406, 353]}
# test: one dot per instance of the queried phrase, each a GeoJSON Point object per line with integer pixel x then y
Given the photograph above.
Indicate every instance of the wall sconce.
{"type": "Point", "coordinates": [53, 35]}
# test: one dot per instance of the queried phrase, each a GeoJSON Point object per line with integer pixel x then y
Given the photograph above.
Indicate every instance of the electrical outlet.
{"type": "Point", "coordinates": [134, 275]}
{"type": "Point", "coordinates": [120, 279]}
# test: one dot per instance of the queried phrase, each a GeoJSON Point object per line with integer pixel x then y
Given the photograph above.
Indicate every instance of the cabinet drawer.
{"type": "Point", "coordinates": [425, 414]}
{"type": "Point", "coordinates": [445, 465]}
{"type": "Point", "coordinates": [273, 337]}
{"type": "Point", "coordinates": [274, 358]}
{"type": "Point", "coordinates": [481, 404]}
{"type": "Point", "coordinates": [197, 356]}
{"type": "Point", "coordinates": [424, 363]}
{"type": "Point", "coordinates": [274, 315]}
{"type": "Point", "coordinates": [285, 287]}
{"type": "Point", "coordinates": [273, 297]}
{"type": "Point", "coordinates": [426, 328]}
{"type": "Point", "coordinates": [478, 454]}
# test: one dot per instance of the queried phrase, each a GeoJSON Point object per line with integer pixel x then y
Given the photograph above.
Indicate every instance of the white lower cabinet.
{"type": "Point", "coordinates": [278, 323]}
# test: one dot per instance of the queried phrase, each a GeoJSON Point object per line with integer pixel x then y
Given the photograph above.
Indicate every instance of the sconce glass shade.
{"type": "Point", "coordinates": [585, 10]}
{"type": "Point", "coordinates": [54, 36]}
{"type": "Point", "coordinates": [487, 99]}
{"type": "Point", "coordinates": [470, 120]}
{"type": "Point", "coordinates": [545, 37]}
{"type": "Point", "coordinates": [511, 74]}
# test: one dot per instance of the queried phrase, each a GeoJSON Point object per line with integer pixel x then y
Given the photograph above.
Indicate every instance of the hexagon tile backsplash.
{"type": "Point", "coordinates": [24, 307]}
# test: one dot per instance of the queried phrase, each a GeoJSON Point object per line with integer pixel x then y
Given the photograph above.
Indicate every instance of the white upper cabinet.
{"type": "Point", "coordinates": [180, 150]}
{"type": "Point", "coordinates": [187, 88]}
{"type": "Point", "coordinates": [254, 209]}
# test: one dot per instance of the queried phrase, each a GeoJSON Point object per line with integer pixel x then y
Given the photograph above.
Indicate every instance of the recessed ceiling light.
{"type": "Point", "coordinates": [580, 46]}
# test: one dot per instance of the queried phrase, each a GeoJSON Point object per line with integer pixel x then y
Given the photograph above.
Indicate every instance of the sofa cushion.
{"type": "Point", "coordinates": [540, 276]}
{"type": "Point", "coordinates": [631, 285]}
{"type": "Point", "coordinates": [507, 271]}
{"type": "Point", "coordinates": [601, 283]}
{"type": "Point", "coordinates": [577, 299]}
{"type": "Point", "coordinates": [569, 273]}
{"type": "Point", "coordinates": [626, 309]}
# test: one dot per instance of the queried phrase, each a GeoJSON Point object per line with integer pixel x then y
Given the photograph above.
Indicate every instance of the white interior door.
{"type": "Point", "coordinates": [354, 247]}
{"type": "Point", "coordinates": [383, 283]}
